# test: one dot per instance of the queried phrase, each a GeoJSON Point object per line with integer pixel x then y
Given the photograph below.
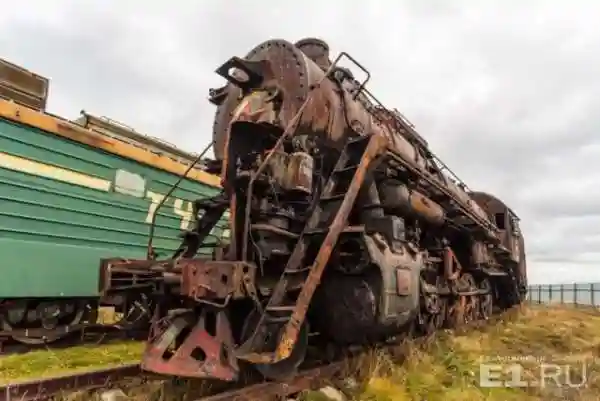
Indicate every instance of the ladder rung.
{"type": "Point", "coordinates": [500, 250]}
{"type": "Point", "coordinates": [332, 198]}
{"type": "Point", "coordinates": [296, 271]}
{"type": "Point", "coordinates": [277, 319]}
{"type": "Point", "coordinates": [346, 169]}
{"type": "Point", "coordinates": [280, 252]}
{"type": "Point", "coordinates": [280, 308]}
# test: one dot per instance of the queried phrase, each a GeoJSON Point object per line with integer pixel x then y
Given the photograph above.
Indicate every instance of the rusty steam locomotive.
{"type": "Point", "coordinates": [343, 223]}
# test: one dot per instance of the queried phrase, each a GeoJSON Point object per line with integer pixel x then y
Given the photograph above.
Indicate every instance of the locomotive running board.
{"type": "Point", "coordinates": [334, 195]}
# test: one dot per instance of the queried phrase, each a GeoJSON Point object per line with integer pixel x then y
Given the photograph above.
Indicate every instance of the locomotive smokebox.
{"type": "Point", "coordinates": [279, 79]}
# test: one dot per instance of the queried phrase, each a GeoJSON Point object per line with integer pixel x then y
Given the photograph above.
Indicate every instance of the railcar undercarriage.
{"type": "Point", "coordinates": [36, 321]}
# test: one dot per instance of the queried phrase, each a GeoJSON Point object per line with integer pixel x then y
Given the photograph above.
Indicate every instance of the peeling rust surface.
{"type": "Point", "coordinates": [79, 133]}
{"type": "Point", "coordinates": [198, 278]}
{"type": "Point", "coordinates": [215, 279]}
{"type": "Point", "coordinates": [206, 352]}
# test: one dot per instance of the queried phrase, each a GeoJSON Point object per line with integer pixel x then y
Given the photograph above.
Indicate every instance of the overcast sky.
{"type": "Point", "coordinates": [506, 92]}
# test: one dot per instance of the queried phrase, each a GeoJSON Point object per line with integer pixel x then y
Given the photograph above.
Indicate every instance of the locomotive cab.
{"type": "Point", "coordinates": [505, 220]}
{"type": "Point", "coordinates": [510, 233]}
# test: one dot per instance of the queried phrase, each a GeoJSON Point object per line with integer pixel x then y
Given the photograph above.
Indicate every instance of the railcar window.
{"type": "Point", "coordinates": [500, 221]}
{"type": "Point", "coordinates": [514, 225]}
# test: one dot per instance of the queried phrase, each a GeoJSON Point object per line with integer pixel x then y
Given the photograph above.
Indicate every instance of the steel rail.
{"type": "Point", "coordinates": [309, 379]}
{"type": "Point", "coordinates": [47, 388]}
{"type": "Point", "coordinates": [44, 389]}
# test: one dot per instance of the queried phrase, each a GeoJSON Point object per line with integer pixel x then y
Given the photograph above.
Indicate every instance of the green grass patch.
{"type": "Point", "coordinates": [46, 363]}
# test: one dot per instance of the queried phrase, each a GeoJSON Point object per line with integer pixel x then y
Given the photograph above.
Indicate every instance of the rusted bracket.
{"type": "Point", "coordinates": [244, 74]}
{"type": "Point", "coordinates": [117, 274]}
{"type": "Point", "coordinates": [452, 266]}
{"type": "Point", "coordinates": [203, 280]}
{"type": "Point", "coordinates": [206, 352]}
{"type": "Point", "coordinates": [208, 279]}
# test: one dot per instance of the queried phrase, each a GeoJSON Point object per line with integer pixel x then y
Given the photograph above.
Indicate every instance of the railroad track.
{"type": "Point", "coordinates": [316, 374]}
{"type": "Point", "coordinates": [47, 389]}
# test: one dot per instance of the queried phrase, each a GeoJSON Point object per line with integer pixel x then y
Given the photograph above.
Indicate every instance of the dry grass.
{"type": "Point", "coordinates": [448, 368]}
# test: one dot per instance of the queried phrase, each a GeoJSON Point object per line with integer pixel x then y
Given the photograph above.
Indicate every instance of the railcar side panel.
{"type": "Point", "coordinates": [65, 205]}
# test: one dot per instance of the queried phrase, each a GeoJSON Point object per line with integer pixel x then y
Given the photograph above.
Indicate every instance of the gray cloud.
{"type": "Point", "coordinates": [506, 92]}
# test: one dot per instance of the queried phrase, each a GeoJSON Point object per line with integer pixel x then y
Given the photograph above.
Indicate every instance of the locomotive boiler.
{"type": "Point", "coordinates": [345, 227]}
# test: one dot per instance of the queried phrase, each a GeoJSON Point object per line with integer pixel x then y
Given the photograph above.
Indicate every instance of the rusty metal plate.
{"type": "Point", "coordinates": [201, 278]}
{"type": "Point", "coordinates": [206, 352]}
{"type": "Point", "coordinates": [290, 64]}
{"type": "Point", "coordinates": [403, 281]}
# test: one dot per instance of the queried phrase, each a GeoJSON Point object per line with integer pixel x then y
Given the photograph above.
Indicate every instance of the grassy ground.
{"type": "Point", "coordinates": [46, 363]}
{"type": "Point", "coordinates": [53, 362]}
{"type": "Point", "coordinates": [448, 368]}
{"type": "Point", "coordinates": [444, 368]}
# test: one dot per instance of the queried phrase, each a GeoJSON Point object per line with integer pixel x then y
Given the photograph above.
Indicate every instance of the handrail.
{"type": "Point", "coordinates": [149, 250]}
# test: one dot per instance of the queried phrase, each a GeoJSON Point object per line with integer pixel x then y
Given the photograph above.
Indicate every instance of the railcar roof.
{"type": "Point", "coordinates": [62, 127]}
{"type": "Point", "coordinates": [495, 199]}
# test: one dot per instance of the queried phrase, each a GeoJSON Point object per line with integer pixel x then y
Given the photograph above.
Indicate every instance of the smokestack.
{"type": "Point", "coordinates": [317, 50]}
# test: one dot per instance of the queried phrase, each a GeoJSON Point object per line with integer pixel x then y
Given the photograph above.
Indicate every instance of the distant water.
{"type": "Point", "coordinates": [580, 293]}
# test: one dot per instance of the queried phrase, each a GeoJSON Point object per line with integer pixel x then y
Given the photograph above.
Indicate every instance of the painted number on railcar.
{"type": "Point", "coordinates": [184, 213]}
{"type": "Point", "coordinates": [181, 208]}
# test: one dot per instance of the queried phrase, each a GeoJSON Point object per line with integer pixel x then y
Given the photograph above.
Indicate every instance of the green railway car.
{"type": "Point", "coordinates": [72, 193]}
